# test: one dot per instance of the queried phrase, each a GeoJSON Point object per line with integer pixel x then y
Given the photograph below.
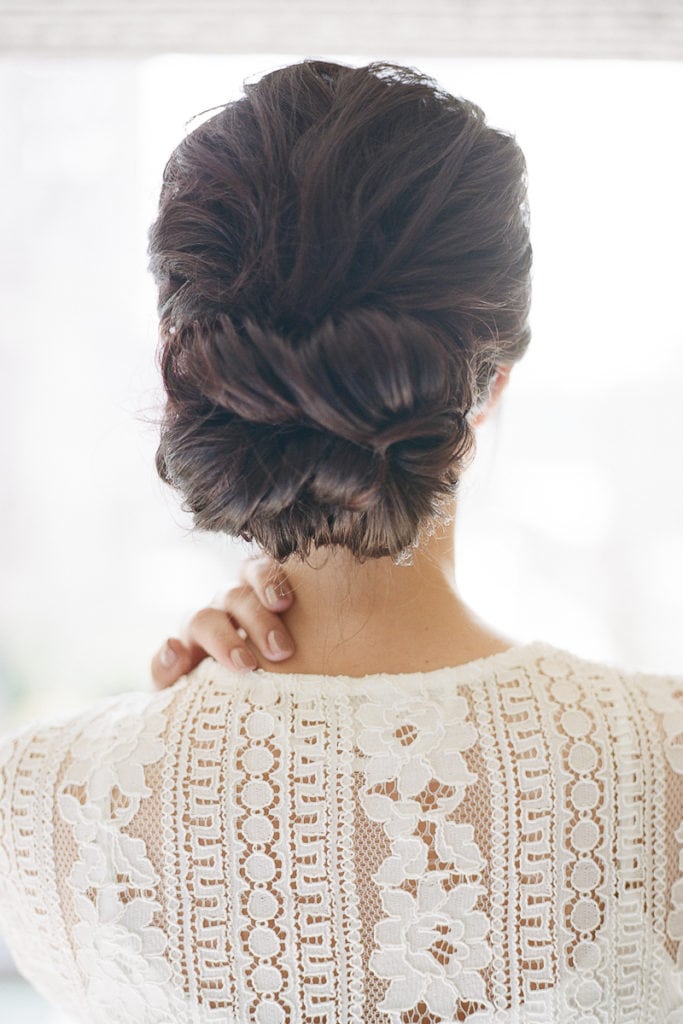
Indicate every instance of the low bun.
{"type": "Point", "coordinates": [362, 419]}
{"type": "Point", "coordinates": [342, 260]}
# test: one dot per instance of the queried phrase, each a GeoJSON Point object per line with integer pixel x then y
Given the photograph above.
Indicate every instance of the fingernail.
{"type": "Point", "coordinates": [243, 659]}
{"type": "Point", "coordinates": [271, 595]}
{"type": "Point", "coordinates": [278, 642]}
{"type": "Point", "coordinates": [168, 656]}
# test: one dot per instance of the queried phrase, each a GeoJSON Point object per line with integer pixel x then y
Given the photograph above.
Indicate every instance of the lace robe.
{"type": "Point", "coordinates": [497, 842]}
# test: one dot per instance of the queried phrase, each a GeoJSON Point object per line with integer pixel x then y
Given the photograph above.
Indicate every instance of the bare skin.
{"type": "Point", "coordinates": [356, 618]}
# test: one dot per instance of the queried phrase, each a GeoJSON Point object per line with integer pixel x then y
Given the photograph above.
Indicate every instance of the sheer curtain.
{"type": "Point", "coordinates": [570, 523]}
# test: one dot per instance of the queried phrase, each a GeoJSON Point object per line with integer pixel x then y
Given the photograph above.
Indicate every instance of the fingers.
{"type": "Point", "coordinates": [269, 582]}
{"type": "Point", "coordinates": [173, 660]}
{"type": "Point", "coordinates": [250, 611]}
{"type": "Point", "coordinates": [265, 628]}
{"type": "Point", "coordinates": [211, 631]}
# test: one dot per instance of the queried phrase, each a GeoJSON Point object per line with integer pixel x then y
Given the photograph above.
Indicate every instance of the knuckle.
{"type": "Point", "coordinates": [201, 618]}
{"type": "Point", "coordinates": [242, 597]}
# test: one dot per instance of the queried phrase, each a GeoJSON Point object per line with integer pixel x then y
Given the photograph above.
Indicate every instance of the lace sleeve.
{"type": "Point", "coordinates": [29, 763]}
{"type": "Point", "coordinates": [77, 891]}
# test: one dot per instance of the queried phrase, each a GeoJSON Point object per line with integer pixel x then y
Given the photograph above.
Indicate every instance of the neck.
{"type": "Point", "coordinates": [352, 618]}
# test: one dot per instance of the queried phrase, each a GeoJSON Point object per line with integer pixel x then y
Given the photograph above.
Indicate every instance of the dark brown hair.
{"type": "Point", "coordinates": [342, 259]}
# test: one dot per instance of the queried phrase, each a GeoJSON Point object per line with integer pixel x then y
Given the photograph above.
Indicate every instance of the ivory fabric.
{"type": "Point", "coordinates": [497, 842]}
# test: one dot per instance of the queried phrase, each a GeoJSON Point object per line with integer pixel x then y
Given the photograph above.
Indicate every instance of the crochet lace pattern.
{"type": "Point", "coordinates": [497, 842]}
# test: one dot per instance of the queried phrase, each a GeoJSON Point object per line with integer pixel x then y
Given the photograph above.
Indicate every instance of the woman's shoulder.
{"type": "Point", "coordinates": [616, 703]}
{"type": "Point", "coordinates": [129, 726]}
{"type": "Point", "coordinates": [114, 716]}
{"type": "Point", "coordinates": [659, 693]}
{"type": "Point", "coordinates": [51, 763]}
{"type": "Point", "coordinates": [557, 663]}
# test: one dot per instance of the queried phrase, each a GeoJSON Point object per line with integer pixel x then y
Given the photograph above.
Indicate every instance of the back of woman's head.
{"type": "Point", "coordinates": [342, 259]}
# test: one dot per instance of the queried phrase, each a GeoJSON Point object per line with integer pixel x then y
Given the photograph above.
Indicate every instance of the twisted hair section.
{"type": "Point", "coordinates": [364, 418]}
{"type": "Point", "coordinates": [342, 260]}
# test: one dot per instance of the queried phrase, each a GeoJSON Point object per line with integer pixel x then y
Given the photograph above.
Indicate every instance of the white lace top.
{"type": "Point", "coordinates": [497, 842]}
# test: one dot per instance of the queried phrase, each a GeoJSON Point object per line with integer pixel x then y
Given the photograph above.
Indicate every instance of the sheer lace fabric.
{"type": "Point", "coordinates": [499, 842]}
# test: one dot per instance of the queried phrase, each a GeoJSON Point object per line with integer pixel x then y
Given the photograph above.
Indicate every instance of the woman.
{"type": "Point", "coordinates": [410, 818]}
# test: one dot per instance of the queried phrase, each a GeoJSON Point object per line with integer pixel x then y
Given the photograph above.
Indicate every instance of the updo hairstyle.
{"type": "Point", "coordinates": [342, 260]}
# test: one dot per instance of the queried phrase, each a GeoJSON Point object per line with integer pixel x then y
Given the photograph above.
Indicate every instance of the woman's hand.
{"type": "Point", "coordinates": [250, 609]}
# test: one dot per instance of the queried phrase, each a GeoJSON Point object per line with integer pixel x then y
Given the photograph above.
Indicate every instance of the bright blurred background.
{"type": "Point", "coordinates": [571, 519]}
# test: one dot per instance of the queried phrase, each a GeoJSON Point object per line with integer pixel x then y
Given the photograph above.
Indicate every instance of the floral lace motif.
{"type": "Point", "coordinates": [432, 943]}
{"type": "Point", "coordinates": [117, 949]}
{"type": "Point", "coordinates": [500, 843]}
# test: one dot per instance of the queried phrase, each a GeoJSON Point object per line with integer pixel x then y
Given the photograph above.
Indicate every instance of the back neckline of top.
{"type": "Point", "coordinates": [516, 655]}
